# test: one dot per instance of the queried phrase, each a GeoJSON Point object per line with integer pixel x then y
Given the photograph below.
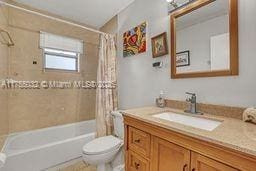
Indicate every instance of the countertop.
{"type": "Point", "coordinates": [232, 133]}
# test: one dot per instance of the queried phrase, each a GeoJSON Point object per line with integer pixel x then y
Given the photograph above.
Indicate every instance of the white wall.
{"type": "Point", "coordinates": [140, 83]}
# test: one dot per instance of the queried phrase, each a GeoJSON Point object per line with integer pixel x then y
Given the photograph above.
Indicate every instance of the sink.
{"type": "Point", "coordinates": [196, 122]}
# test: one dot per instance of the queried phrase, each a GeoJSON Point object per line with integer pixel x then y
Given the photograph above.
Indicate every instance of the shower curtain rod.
{"type": "Point", "coordinates": [50, 17]}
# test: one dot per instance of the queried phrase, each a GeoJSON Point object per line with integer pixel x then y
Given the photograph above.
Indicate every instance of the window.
{"type": "Point", "coordinates": [62, 60]}
{"type": "Point", "coordinates": [60, 53]}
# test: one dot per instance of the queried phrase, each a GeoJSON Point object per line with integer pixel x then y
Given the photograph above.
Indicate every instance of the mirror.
{"type": "Point", "coordinates": [204, 39]}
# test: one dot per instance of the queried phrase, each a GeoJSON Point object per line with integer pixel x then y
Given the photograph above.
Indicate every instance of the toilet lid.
{"type": "Point", "coordinates": [102, 145]}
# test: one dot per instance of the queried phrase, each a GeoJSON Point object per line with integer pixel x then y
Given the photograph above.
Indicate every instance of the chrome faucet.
{"type": "Point", "coordinates": [193, 105]}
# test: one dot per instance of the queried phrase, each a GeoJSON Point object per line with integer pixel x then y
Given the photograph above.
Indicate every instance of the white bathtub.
{"type": "Point", "coordinates": [41, 149]}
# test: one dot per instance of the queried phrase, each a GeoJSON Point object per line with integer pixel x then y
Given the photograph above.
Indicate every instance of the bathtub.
{"type": "Point", "coordinates": [44, 148]}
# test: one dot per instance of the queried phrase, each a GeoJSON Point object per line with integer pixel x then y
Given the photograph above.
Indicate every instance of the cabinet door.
{"type": "Point", "coordinates": [202, 163]}
{"type": "Point", "coordinates": [136, 162]}
{"type": "Point", "coordinates": [169, 157]}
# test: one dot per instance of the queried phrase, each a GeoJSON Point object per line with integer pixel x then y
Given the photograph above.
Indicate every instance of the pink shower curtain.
{"type": "Point", "coordinates": [106, 98]}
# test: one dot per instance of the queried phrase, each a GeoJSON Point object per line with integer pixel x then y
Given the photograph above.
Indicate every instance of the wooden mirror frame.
{"type": "Point", "coordinates": [233, 30]}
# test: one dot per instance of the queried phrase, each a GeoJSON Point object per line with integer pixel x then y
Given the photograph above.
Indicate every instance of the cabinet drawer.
{"type": "Point", "coordinates": [136, 162]}
{"type": "Point", "coordinates": [139, 141]}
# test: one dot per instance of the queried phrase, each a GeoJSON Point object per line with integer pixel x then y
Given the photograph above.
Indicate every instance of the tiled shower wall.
{"type": "Point", "coordinates": [34, 109]}
{"type": "Point", "coordinates": [4, 53]}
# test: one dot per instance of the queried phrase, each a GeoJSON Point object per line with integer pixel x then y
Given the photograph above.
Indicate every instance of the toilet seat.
{"type": "Point", "coordinates": [102, 145]}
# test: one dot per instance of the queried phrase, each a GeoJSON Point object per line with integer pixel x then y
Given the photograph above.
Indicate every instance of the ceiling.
{"type": "Point", "coordinates": [91, 12]}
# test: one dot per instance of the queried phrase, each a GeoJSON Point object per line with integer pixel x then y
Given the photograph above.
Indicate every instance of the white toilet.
{"type": "Point", "coordinates": [102, 151]}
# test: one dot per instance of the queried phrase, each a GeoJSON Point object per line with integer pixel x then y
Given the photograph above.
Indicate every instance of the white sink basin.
{"type": "Point", "coordinates": [201, 123]}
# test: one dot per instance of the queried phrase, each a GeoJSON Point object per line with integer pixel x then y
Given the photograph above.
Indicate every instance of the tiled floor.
{"type": "Point", "coordinates": [79, 167]}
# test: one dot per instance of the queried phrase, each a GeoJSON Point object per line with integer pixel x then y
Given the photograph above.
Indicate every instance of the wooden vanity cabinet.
{"type": "Point", "coordinates": [167, 156]}
{"type": "Point", "coordinates": [149, 147]}
{"type": "Point", "coordinates": [202, 163]}
{"type": "Point", "coordinates": [136, 162]}
{"type": "Point", "coordinates": [139, 141]}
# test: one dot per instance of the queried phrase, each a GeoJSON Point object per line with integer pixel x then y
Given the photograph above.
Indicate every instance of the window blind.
{"type": "Point", "coordinates": [52, 41]}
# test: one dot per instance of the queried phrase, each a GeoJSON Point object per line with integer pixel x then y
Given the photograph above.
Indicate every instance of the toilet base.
{"type": "Point", "coordinates": [104, 167]}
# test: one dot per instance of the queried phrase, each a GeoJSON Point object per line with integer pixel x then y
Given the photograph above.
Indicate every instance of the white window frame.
{"type": "Point", "coordinates": [62, 55]}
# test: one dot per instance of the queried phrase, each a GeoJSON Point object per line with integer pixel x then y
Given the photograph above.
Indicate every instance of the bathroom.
{"type": "Point", "coordinates": [87, 98]}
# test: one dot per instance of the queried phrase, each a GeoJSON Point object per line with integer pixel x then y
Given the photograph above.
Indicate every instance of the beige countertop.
{"type": "Point", "coordinates": [232, 133]}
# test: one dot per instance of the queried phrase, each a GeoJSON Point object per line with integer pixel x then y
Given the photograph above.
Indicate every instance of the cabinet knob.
{"type": "Point", "coordinates": [137, 140]}
{"type": "Point", "coordinates": [184, 167]}
{"type": "Point", "coordinates": [193, 169]}
{"type": "Point", "coordinates": [137, 165]}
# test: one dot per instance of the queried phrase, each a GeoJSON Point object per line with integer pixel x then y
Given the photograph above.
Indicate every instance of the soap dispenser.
{"type": "Point", "coordinates": [160, 102]}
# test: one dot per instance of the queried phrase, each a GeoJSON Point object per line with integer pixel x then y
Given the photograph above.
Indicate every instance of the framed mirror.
{"type": "Point", "coordinates": [204, 39]}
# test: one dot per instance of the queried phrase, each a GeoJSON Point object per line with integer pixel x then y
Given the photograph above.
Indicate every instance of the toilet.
{"type": "Point", "coordinates": [102, 151]}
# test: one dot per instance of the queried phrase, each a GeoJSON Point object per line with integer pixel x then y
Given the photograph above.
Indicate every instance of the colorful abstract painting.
{"type": "Point", "coordinates": [134, 40]}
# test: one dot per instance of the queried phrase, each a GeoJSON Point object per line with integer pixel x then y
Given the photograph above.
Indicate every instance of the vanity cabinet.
{"type": "Point", "coordinates": [136, 162]}
{"type": "Point", "coordinates": [202, 163]}
{"type": "Point", "coordinates": [149, 147]}
{"type": "Point", "coordinates": [168, 156]}
{"type": "Point", "coordinates": [139, 141]}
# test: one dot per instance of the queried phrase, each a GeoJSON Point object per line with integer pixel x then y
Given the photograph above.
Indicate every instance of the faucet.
{"type": "Point", "coordinates": [193, 105]}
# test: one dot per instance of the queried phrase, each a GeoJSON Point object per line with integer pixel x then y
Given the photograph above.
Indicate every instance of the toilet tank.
{"type": "Point", "coordinates": [118, 124]}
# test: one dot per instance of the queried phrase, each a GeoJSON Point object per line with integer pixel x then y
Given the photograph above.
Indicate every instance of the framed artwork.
{"type": "Point", "coordinates": [183, 59]}
{"type": "Point", "coordinates": [159, 45]}
{"type": "Point", "coordinates": [134, 40]}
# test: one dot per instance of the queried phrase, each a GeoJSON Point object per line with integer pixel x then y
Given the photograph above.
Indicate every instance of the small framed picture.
{"type": "Point", "coordinates": [159, 45]}
{"type": "Point", "coordinates": [183, 59]}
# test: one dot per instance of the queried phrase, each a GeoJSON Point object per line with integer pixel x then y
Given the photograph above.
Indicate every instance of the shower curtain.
{"type": "Point", "coordinates": [106, 98]}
